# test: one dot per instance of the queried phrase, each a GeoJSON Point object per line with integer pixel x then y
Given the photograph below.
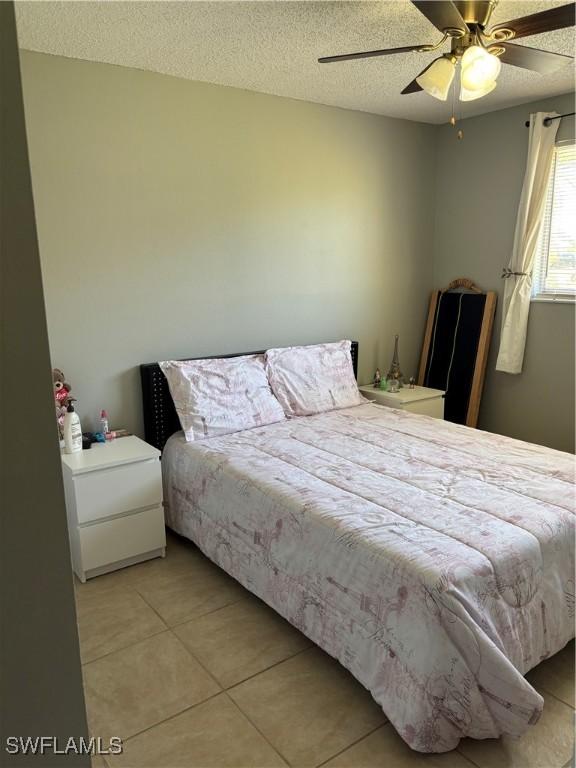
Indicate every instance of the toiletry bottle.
{"type": "Point", "coordinates": [104, 426]}
{"type": "Point", "coordinates": [72, 431]}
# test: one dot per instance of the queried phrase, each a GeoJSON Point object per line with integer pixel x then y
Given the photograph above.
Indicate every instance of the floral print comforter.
{"type": "Point", "coordinates": [435, 562]}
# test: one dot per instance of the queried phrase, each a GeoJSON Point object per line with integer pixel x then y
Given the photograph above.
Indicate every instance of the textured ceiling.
{"type": "Point", "coordinates": [272, 47]}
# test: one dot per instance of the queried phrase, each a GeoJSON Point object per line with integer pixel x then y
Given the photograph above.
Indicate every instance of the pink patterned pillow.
{"type": "Point", "coordinates": [216, 397]}
{"type": "Point", "coordinates": [314, 379]}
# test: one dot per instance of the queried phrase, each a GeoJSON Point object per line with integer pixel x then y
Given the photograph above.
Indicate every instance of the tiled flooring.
{"type": "Point", "coordinates": [194, 672]}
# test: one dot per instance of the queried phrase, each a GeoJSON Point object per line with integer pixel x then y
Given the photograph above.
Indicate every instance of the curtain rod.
{"type": "Point", "coordinates": [548, 120]}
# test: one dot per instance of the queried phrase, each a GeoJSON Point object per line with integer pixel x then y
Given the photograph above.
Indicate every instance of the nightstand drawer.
{"type": "Point", "coordinates": [433, 407]}
{"type": "Point", "coordinates": [113, 540]}
{"type": "Point", "coordinates": [118, 489]}
{"type": "Point", "coordinates": [423, 400]}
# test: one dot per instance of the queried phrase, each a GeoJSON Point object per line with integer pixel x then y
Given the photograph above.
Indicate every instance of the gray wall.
{"type": "Point", "coordinates": [180, 218]}
{"type": "Point", "coordinates": [474, 233]}
{"type": "Point", "coordinates": [40, 677]}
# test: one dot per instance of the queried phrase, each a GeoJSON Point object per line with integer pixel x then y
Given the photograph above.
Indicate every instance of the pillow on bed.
{"type": "Point", "coordinates": [314, 379]}
{"type": "Point", "coordinates": [216, 397]}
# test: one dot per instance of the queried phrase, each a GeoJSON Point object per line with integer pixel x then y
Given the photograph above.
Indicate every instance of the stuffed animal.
{"type": "Point", "coordinates": [61, 398]}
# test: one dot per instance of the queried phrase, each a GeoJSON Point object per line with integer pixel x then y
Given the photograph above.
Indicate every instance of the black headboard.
{"type": "Point", "coordinates": [160, 417]}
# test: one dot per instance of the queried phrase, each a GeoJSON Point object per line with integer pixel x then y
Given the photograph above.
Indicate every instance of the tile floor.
{"type": "Point", "coordinates": [194, 672]}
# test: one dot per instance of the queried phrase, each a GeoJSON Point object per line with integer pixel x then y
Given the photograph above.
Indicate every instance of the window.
{"type": "Point", "coordinates": [554, 274]}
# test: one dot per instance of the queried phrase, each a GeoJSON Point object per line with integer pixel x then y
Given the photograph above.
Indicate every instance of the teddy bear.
{"type": "Point", "coordinates": [61, 398]}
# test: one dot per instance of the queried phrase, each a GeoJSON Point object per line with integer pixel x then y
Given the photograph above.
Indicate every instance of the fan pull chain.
{"type": "Point", "coordinates": [460, 132]}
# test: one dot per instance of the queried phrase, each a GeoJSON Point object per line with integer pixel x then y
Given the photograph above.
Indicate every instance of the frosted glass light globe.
{"type": "Point", "coordinates": [437, 79]}
{"type": "Point", "coordinates": [479, 68]}
{"type": "Point", "coordinates": [466, 95]}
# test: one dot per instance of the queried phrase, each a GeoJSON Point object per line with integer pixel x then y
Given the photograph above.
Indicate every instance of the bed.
{"type": "Point", "coordinates": [435, 562]}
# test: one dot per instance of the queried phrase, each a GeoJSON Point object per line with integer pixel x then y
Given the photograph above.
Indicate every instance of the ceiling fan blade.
{"type": "Point", "coordinates": [369, 54]}
{"type": "Point", "coordinates": [544, 62]}
{"type": "Point", "coordinates": [442, 13]}
{"type": "Point", "coordinates": [413, 87]}
{"type": "Point", "coordinates": [545, 21]}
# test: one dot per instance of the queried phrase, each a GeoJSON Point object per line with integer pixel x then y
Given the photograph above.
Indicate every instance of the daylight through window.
{"type": "Point", "coordinates": [554, 275]}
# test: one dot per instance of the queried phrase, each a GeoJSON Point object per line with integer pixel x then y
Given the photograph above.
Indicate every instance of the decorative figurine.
{"type": "Point", "coordinates": [395, 374]}
{"type": "Point", "coordinates": [412, 383]}
{"type": "Point", "coordinates": [377, 379]}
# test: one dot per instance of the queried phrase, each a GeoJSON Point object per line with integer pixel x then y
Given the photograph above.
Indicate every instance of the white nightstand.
{"type": "Point", "coordinates": [114, 505]}
{"type": "Point", "coordinates": [429, 402]}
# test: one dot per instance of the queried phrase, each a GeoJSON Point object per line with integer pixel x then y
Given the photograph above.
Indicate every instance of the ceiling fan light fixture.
{"type": "Point", "coordinates": [436, 80]}
{"type": "Point", "coordinates": [479, 69]}
{"type": "Point", "coordinates": [466, 95]}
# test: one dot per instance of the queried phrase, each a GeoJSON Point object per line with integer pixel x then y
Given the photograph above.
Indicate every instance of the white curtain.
{"type": "Point", "coordinates": [518, 283]}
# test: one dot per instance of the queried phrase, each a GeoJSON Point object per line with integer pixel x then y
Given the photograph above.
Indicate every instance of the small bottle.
{"type": "Point", "coordinates": [104, 427]}
{"type": "Point", "coordinates": [72, 431]}
{"type": "Point", "coordinates": [377, 378]}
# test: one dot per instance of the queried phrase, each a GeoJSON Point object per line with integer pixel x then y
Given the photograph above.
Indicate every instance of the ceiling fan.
{"type": "Point", "coordinates": [478, 49]}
